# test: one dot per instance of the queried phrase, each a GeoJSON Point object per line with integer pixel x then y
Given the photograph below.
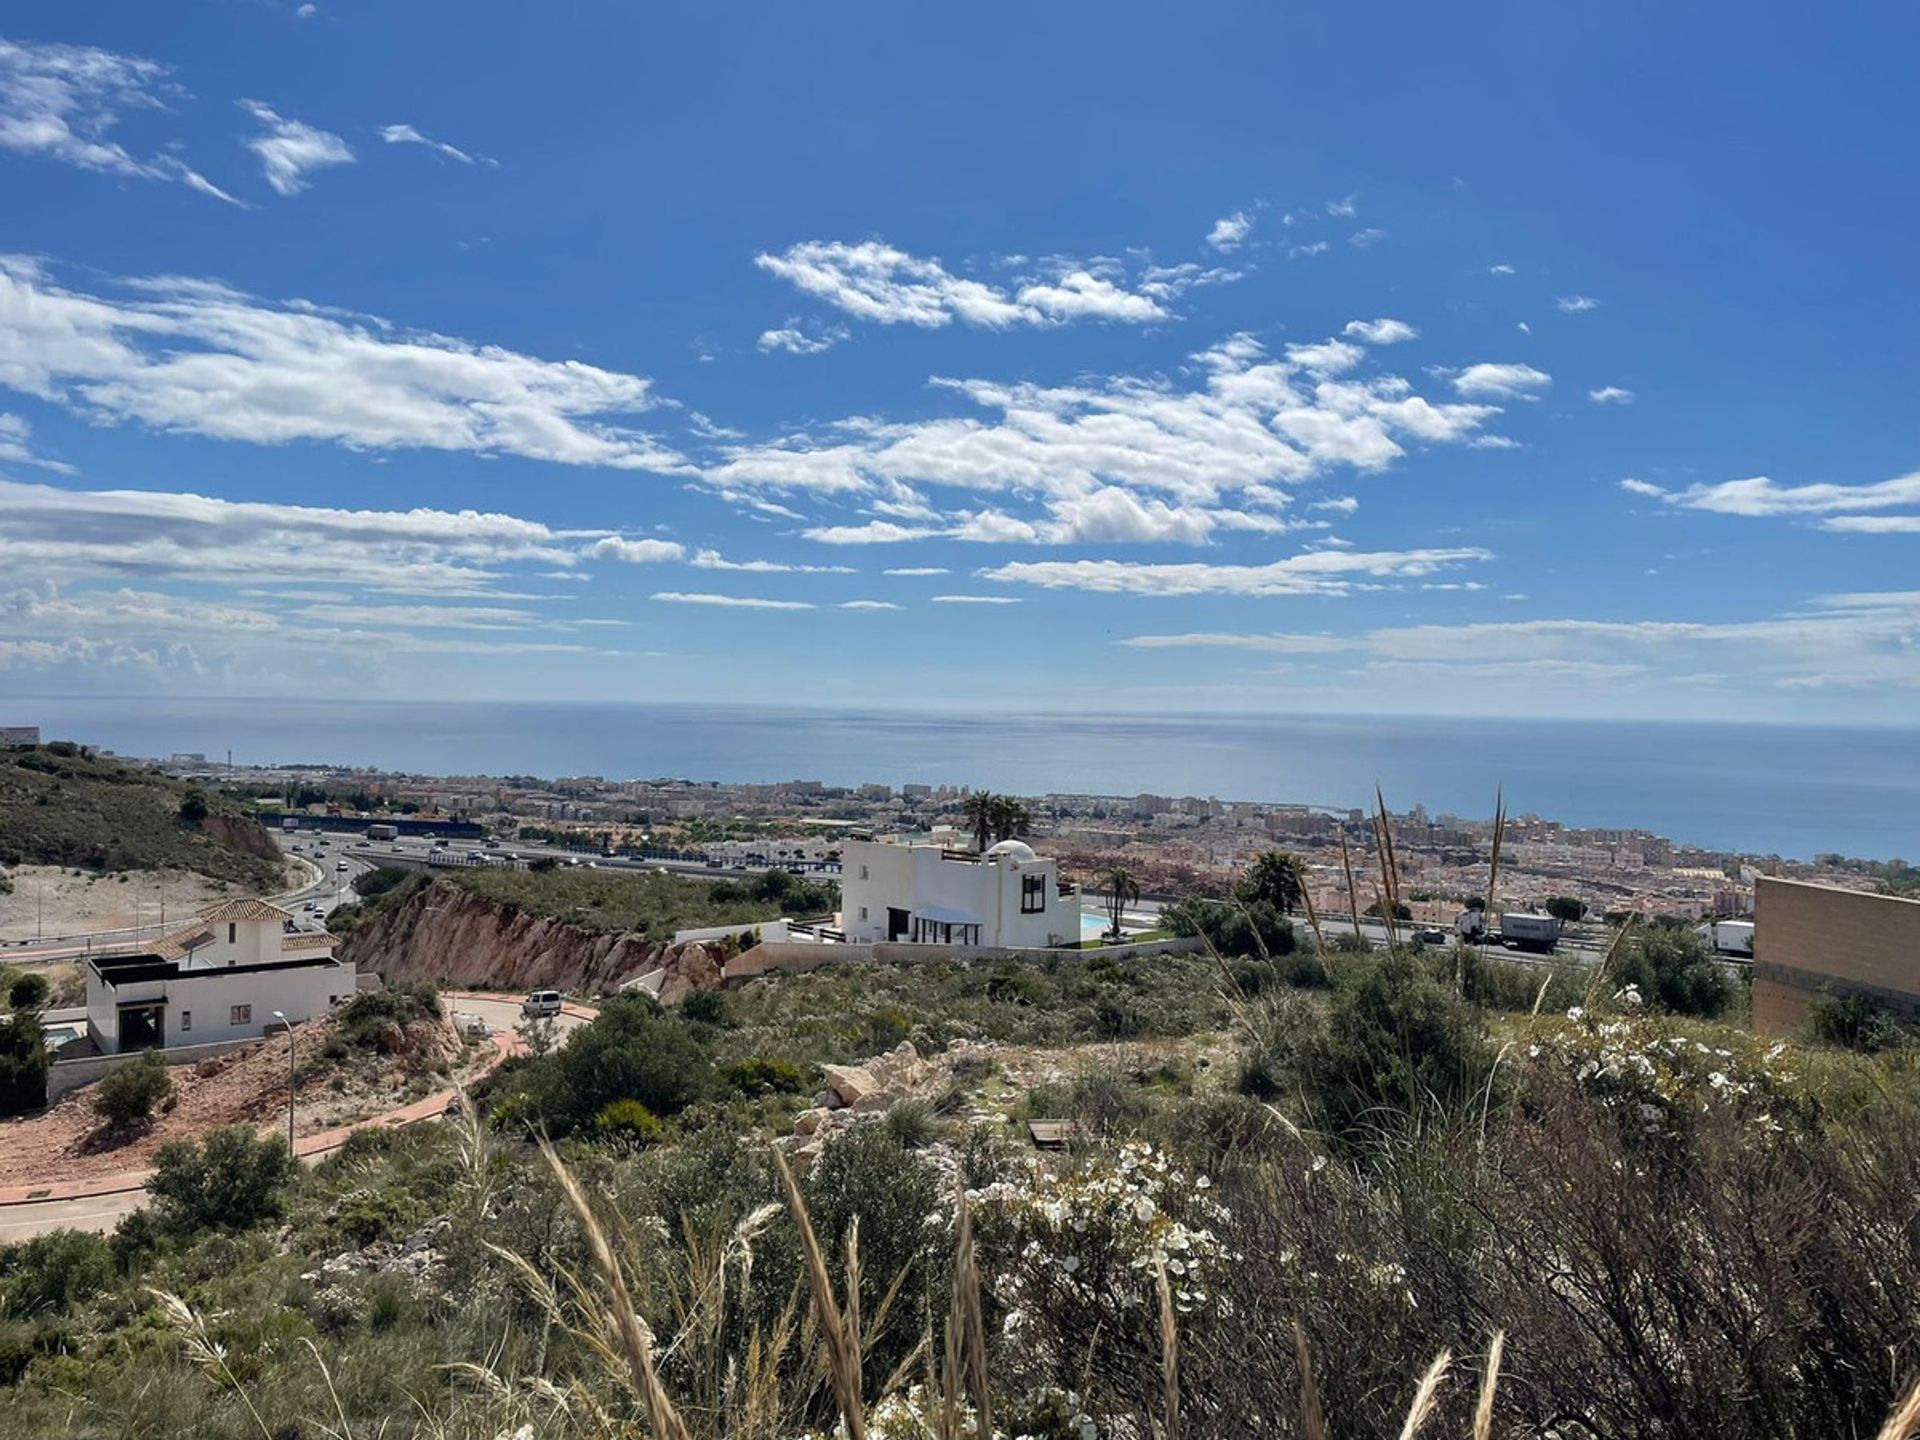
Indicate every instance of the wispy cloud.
{"type": "Point", "coordinates": [1577, 304]}
{"type": "Point", "coordinates": [976, 600]}
{"type": "Point", "coordinates": [1491, 381]}
{"type": "Point", "coordinates": [1230, 232]}
{"type": "Point", "coordinates": [1762, 497]}
{"type": "Point", "coordinates": [407, 135]}
{"type": "Point", "coordinates": [1279, 644]}
{"type": "Point", "coordinates": [288, 149]}
{"type": "Point", "coordinates": [794, 339]}
{"type": "Point", "coordinates": [196, 357]}
{"type": "Point", "coordinates": [1611, 395]}
{"type": "Point", "coordinates": [868, 605]}
{"type": "Point", "coordinates": [731, 602]}
{"type": "Point", "coordinates": [634, 552]}
{"type": "Point", "coordinates": [1364, 239]}
{"type": "Point", "coordinates": [874, 281]}
{"type": "Point", "coordinates": [1318, 572]}
{"type": "Point", "coordinates": [1502, 270]}
{"type": "Point", "coordinates": [15, 447]}
{"type": "Point", "coordinates": [714, 560]}
{"type": "Point", "coordinates": [917, 570]}
{"type": "Point", "coordinates": [1380, 332]}
{"type": "Point", "coordinates": [61, 101]}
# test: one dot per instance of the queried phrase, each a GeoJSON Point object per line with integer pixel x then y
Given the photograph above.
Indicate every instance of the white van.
{"type": "Point", "coordinates": [541, 1002]}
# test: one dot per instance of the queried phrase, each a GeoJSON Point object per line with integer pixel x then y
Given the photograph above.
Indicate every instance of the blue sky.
{"type": "Point", "coordinates": [1497, 359]}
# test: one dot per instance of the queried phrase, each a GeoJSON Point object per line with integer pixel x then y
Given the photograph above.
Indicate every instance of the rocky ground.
{"type": "Point", "coordinates": [246, 1087]}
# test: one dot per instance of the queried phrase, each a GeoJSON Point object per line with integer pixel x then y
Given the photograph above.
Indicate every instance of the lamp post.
{"type": "Point", "coordinates": [280, 1015]}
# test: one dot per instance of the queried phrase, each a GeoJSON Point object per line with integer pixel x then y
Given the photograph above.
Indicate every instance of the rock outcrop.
{"type": "Point", "coordinates": [452, 937]}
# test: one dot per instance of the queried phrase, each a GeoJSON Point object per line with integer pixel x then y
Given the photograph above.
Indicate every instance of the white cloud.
{"type": "Point", "coordinates": [1122, 456]}
{"type": "Point", "coordinates": [714, 560]}
{"type": "Point", "coordinates": [288, 149]}
{"type": "Point", "coordinates": [795, 340]}
{"type": "Point", "coordinates": [1577, 304]}
{"type": "Point", "coordinates": [737, 602]}
{"type": "Point", "coordinates": [1271, 644]}
{"type": "Point", "coordinates": [634, 552]}
{"type": "Point", "coordinates": [917, 570]}
{"type": "Point", "coordinates": [874, 281]}
{"type": "Point", "coordinates": [1363, 239]}
{"type": "Point", "coordinates": [196, 357]}
{"type": "Point", "coordinates": [1318, 247]}
{"type": "Point", "coordinates": [1169, 282]}
{"type": "Point", "coordinates": [1501, 381]}
{"type": "Point", "coordinates": [15, 447]}
{"type": "Point", "coordinates": [1761, 496]}
{"type": "Point", "coordinates": [1380, 332]}
{"type": "Point", "coordinates": [975, 600]}
{"type": "Point", "coordinates": [868, 605]}
{"type": "Point", "coordinates": [1500, 270]}
{"type": "Point", "coordinates": [1339, 504]}
{"type": "Point", "coordinates": [1641, 487]}
{"type": "Point", "coordinates": [407, 135]}
{"type": "Point", "coordinates": [1610, 395]}
{"type": "Point", "coordinates": [1344, 209]}
{"type": "Point", "coordinates": [1230, 232]}
{"type": "Point", "coordinates": [307, 12]}
{"type": "Point", "coordinates": [1319, 572]}
{"type": "Point", "coordinates": [1873, 524]}
{"type": "Point", "coordinates": [62, 535]}
{"type": "Point", "coordinates": [60, 102]}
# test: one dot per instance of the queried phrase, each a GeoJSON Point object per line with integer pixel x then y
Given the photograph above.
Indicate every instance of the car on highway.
{"type": "Point", "coordinates": [340, 867]}
{"type": "Point", "coordinates": [397, 850]}
{"type": "Point", "coordinates": [541, 1003]}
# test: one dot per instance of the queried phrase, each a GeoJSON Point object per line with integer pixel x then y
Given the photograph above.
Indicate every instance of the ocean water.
{"type": "Point", "coordinates": [1789, 790]}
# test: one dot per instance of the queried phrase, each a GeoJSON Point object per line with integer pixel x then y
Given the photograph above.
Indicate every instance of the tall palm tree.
{"type": "Point", "coordinates": [1122, 890]}
{"type": "Point", "coordinates": [1010, 818]}
{"type": "Point", "coordinates": [980, 812]}
{"type": "Point", "coordinates": [1275, 877]}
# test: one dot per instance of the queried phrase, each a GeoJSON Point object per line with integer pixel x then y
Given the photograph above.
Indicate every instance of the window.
{"type": "Point", "coordinates": [240, 1015]}
{"type": "Point", "coordinates": [1033, 894]}
{"type": "Point", "coordinates": [233, 933]}
{"type": "Point", "coordinates": [863, 912]}
{"type": "Point", "coordinates": [863, 872]}
{"type": "Point", "coordinates": [186, 1021]}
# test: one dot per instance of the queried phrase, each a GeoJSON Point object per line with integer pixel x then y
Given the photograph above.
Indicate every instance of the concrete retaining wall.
{"type": "Point", "coordinates": [798, 957]}
{"type": "Point", "coordinates": [1810, 938]}
{"type": "Point", "coordinates": [65, 1075]}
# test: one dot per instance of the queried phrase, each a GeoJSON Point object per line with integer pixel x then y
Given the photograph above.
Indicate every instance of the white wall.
{"type": "Point", "coordinates": [209, 995]}
{"type": "Point", "coordinates": [918, 878]}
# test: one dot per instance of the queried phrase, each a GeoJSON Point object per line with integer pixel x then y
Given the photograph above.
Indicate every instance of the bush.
{"type": "Point", "coordinates": [912, 1123]}
{"type": "Point", "coordinates": [1565, 908]}
{"type": "Point", "coordinates": [231, 1180]}
{"type": "Point", "coordinates": [760, 1075]}
{"type": "Point", "coordinates": [632, 1051]}
{"type": "Point", "coordinates": [1856, 1022]}
{"type": "Point", "coordinates": [626, 1125]}
{"type": "Point", "coordinates": [29, 992]}
{"type": "Point", "coordinates": [370, 1012]}
{"type": "Point", "coordinates": [1674, 970]}
{"type": "Point", "coordinates": [51, 1273]}
{"type": "Point", "coordinates": [706, 1006]}
{"type": "Point", "coordinates": [372, 884]}
{"type": "Point", "coordinates": [23, 1063]}
{"type": "Point", "coordinates": [1396, 1047]}
{"type": "Point", "coordinates": [127, 1095]}
{"type": "Point", "coordinates": [1235, 929]}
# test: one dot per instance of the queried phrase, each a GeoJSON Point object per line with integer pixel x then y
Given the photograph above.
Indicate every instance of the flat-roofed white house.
{"type": "Point", "coordinates": [931, 894]}
{"type": "Point", "coordinates": [219, 979]}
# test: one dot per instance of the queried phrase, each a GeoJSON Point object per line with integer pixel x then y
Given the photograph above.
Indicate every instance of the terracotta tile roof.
{"type": "Point", "coordinates": [307, 940]}
{"type": "Point", "coordinates": [248, 909]}
{"type": "Point", "coordinates": [177, 945]}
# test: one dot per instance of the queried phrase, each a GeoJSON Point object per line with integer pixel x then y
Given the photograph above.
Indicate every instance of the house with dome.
{"type": "Point", "coordinates": [928, 894]}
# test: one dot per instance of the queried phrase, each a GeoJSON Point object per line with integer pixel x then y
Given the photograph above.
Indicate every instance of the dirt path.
{"type": "Point", "coordinates": [71, 904]}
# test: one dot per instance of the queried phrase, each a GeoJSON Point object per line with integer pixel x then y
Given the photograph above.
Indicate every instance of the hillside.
{"type": "Point", "coordinates": [652, 905]}
{"type": "Point", "coordinates": [60, 805]}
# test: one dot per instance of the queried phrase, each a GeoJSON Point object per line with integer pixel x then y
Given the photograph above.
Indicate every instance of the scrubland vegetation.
{"type": "Point", "coordinates": [1287, 1191]}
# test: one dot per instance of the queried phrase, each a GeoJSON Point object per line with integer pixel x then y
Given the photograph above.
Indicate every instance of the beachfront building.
{"type": "Point", "coordinates": [936, 895]}
{"type": "Point", "coordinates": [219, 979]}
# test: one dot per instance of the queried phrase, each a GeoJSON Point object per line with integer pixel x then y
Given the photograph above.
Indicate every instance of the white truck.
{"type": "Point", "coordinates": [1729, 937]}
{"type": "Point", "coordinates": [1517, 930]}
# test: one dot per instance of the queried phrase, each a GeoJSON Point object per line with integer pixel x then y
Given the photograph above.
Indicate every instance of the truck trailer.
{"type": "Point", "coordinates": [1729, 937]}
{"type": "Point", "coordinates": [383, 832]}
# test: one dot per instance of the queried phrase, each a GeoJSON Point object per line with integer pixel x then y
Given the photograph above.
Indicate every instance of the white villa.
{"type": "Point", "coordinates": [219, 979]}
{"type": "Point", "coordinates": [930, 894]}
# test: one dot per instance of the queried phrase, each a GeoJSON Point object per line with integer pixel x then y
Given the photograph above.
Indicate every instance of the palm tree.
{"type": "Point", "coordinates": [980, 812]}
{"type": "Point", "coordinates": [1010, 817]}
{"type": "Point", "coordinates": [1122, 890]}
{"type": "Point", "coordinates": [1274, 877]}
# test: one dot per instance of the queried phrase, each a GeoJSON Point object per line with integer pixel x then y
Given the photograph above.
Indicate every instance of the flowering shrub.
{"type": "Point", "coordinates": [1655, 1079]}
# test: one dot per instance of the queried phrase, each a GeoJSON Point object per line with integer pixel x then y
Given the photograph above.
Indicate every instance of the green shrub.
{"type": "Point", "coordinates": [230, 1180]}
{"type": "Point", "coordinates": [371, 1011]}
{"type": "Point", "coordinates": [632, 1051]}
{"type": "Point", "coordinates": [706, 1006]}
{"type": "Point", "coordinates": [51, 1273]}
{"type": "Point", "coordinates": [126, 1096]}
{"type": "Point", "coordinates": [761, 1075]}
{"type": "Point", "coordinates": [23, 1063]}
{"type": "Point", "coordinates": [627, 1125]}
{"type": "Point", "coordinates": [372, 884]}
{"type": "Point", "coordinates": [29, 992]}
{"type": "Point", "coordinates": [1674, 970]}
{"type": "Point", "coordinates": [912, 1123]}
{"type": "Point", "coordinates": [1856, 1022]}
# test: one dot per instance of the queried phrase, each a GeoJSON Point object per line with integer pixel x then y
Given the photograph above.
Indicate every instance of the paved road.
{"type": "Point", "coordinates": [101, 1213]}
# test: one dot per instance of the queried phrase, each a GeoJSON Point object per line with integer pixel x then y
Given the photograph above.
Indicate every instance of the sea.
{"type": "Point", "coordinates": [1788, 790]}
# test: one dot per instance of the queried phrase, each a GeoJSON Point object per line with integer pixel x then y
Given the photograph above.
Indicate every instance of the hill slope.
{"type": "Point", "coordinates": [60, 805]}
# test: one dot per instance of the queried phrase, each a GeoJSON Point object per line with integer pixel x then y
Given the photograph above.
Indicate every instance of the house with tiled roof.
{"type": "Point", "coordinates": [220, 978]}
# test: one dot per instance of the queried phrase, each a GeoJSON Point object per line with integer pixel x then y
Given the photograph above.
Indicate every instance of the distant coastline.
{"type": "Point", "coordinates": [1794, 790]}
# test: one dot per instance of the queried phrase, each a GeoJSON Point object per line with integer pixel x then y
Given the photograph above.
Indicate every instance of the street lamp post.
{"type": "Point", "coordinates": [280, 1015]}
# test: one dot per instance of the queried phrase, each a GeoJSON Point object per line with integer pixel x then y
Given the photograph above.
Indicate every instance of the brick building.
{"type": "Point", "coordinates": [1809, 938]}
